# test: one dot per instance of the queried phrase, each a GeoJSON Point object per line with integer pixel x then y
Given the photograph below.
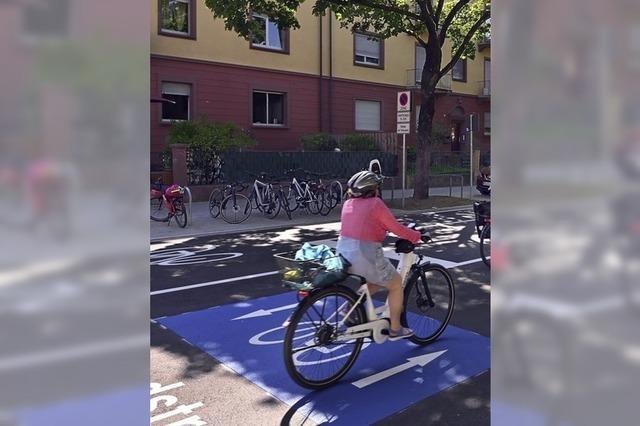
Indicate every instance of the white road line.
{"type": "Point", "coordinates": [68, 354]}
{"type": "Point", "coordinates": [210, 283]}
{"type": "Point", "coordinates": [468, 262]}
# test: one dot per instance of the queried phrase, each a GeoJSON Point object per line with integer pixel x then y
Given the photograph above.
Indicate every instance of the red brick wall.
{"type": "Point", "coordinates": [224, 93]}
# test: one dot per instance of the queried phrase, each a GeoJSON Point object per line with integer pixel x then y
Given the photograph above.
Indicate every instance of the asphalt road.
{"type": "Point", "coordinates": [195, 274]}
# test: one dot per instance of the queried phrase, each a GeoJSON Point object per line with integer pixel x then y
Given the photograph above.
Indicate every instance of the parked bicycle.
{"type": "Point", "coordinates": [263, 196]}
{"type": "Point", "coordinates": [231, 203]}
{"type": "Point", "coordinates": [326, 331]}
{"type": "Point", "coordinates": [482, 212]}
{"type": "Point", "coordinates": [166, 203]}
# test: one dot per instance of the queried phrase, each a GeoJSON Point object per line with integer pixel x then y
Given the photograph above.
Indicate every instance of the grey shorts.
{"type": "Point", "coordinates": [367, 260]}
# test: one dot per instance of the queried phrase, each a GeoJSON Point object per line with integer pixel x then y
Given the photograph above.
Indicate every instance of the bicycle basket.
{"type": "Point", "coordinates": [297, 274]}
{"type": "Point", "coordinates": [306, 274]}
{"type": "Point", "coordinates": [482, 211]}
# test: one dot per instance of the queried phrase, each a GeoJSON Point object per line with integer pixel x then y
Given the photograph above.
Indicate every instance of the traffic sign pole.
{"type": "Point", "coordinates": [403, 126]}
{"type": "Point", "coordinates": [471, 156]}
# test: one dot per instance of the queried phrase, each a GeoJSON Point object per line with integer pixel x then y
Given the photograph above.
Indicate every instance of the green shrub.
{"type": "Point", "coordinates": [358, 142]}
{"type": "Point", "coordinates": [318, 142]}
{"type": "Point", "coordinates": [204, 134]}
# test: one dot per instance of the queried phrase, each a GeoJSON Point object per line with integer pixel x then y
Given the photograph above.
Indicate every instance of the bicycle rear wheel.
{"type": "Point", "coordinates": [324, 199]}
{"type": "Point", "coordinates": [312, 357]}
{"type": "Point", "coordinates": [235, 208]}
{"type": "Point", "coordinates": [429, 298]}
{"type": "Point", "coordinates": [335, 194]}
{"type": "Point", "coordinates": [485, 244]}
{"type": "Point", "coordinates": [314, 204]}
{"type": "Point", "coordinates": [158, 211]}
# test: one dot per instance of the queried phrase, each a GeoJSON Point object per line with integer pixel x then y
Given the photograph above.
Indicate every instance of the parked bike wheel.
{"type": "Point", "coordinates": [215, 202]}
{"type": "Point", "coordinates": [429, 299]}
{"type": "Point", "coordinates": [292, 199]}
{"type": "Point", "coordinates": [485, 244]}
{"type": "Point", "coordinates": [334, 194]}
{"type": "Point", "coordinates": [180, 212]}
{"type": "Point", "coordinates": [314, 204]}
{"type": "Point", "coordinates": [312, 357]}
{"type": "Point", "coordinates": [158, 211]}
{"type": "Point", "coordinates": [284, 203]}
{"type": "Point", "coordinates": [235, 208]}
{"type": "Point", "coordinates": [325, 206]}
{"type": "Point", "coordinates": [271, 206]}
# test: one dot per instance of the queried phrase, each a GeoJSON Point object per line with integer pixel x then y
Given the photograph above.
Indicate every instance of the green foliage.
{"type": "Point", "coordinates": [205, 134]}
{"type": "Point", "coordinates": [358, 142]}
{"type": "Point", "coordinates": [462, 24]}
{"type": "Point", "coordinates": [318, 142]}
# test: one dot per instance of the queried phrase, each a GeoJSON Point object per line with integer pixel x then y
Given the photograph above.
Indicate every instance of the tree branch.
{"type": "Point", "coordinates": [456, 56]}
{"type": "Point", "coordinates": [429, 6]}
{"type": "Point", "coordinates": [438, 12]}
{"type": "Point", "coordinates": [378, 6]}
{"type": "Point", "coordinates": [449, 19]}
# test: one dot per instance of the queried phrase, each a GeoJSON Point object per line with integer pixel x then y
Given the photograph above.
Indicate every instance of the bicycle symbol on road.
{"type": "Point", "coordinates": [189, 256]}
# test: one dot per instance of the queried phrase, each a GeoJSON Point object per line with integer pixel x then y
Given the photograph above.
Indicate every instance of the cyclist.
{"type": "Point", "coordinates": [365, 222]}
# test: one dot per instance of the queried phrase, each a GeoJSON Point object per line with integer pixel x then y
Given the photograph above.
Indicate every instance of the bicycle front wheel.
{"type": "Point", "coordinates": [485, 244]}
{"type": "Point", "coordinates": [271, 206]}
{"type": "Point", "coordinates": [235, 208]}
{"type": "Point", "coordinates": [313, 357]}
{"type": "Point", "coordinates": [180, 213]}
{"type": "Point", "coordinates": [429, 299]}
{"type": "Point", "coordinates": [215, 202]}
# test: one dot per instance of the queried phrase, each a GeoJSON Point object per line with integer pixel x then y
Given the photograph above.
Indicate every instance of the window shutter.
{"type": "Point", "coordinates": [367, 115]}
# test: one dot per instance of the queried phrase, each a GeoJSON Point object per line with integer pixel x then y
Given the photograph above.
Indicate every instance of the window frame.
{"type": "Point", "coordinates": [285, 38]}
{"type": "Point", "coordinates": [380, 64]}
{"type": "Point", "coordinates": [190, 111]}
{"type": "Point", "coordinates": [464, 71]}
{"type": "Point", "coordinates": [192, 22]}
{"type": "Point", "coordinates": [418, 72]}
{"type": "Point", "coordinates": [355, 116]}
{"type": "Point", "coordinates": [285, 109]}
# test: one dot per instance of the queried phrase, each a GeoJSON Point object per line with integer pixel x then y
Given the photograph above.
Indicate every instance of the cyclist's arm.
{"type": "Point", "coordinates": [391, 224]}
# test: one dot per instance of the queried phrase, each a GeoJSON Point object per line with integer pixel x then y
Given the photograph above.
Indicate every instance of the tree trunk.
{"type": "Point", "coordinates": [430, 77]}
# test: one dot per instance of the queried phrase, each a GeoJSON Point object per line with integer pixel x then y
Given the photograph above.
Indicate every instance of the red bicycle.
{"type": "Point", "coordinates": [167, 202]}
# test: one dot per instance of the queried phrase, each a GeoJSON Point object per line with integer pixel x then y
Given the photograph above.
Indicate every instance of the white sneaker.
{"type": "Point", "coordinates": [403, 333]}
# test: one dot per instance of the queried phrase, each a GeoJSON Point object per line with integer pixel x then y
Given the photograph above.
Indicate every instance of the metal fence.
{"type": "Point", "coordinates": [238, 166]}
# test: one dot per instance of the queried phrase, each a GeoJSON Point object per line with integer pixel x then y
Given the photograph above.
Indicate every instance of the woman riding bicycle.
{"type": "Point", "coordinates": [365, 223]}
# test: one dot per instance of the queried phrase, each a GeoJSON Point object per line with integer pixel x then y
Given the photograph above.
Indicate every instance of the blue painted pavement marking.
{"type": "Point", "coordinates": [248, 336]}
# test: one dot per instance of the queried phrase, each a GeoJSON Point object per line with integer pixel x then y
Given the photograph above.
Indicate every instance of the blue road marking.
{"type": "Point", "coordinates": [253, 348]}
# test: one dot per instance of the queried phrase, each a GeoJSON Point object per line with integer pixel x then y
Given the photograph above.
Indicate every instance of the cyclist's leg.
{"type": "Point", "coordinates": [395, 301]}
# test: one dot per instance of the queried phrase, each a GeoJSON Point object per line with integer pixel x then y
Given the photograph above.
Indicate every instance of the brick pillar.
{"type": "Point", "coordinates": [179, 164]}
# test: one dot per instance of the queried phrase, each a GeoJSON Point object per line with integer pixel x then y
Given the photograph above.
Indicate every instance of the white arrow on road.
{"type": "Point", "coordinates": [265, 312]}
{"type": "Point", "coordinates": [421, 360]}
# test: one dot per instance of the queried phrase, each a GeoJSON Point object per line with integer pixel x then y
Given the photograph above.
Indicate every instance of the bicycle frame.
{"type": "Point", "coordinates": [302, 193]}
{"type": "Point", "coordinates": [260, 187]}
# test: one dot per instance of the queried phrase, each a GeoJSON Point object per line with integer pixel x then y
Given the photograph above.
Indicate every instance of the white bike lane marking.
{"type": "Point", "coordinates": [421, 361]}
{"type": "Point", "coordinates": [193, 255]}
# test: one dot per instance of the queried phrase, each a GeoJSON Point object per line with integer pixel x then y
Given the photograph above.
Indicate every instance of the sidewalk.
{"type": "Point", "coordinates": [201, 223]}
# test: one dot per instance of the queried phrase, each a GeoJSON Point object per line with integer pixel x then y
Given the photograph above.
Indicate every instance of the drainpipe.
{"type": "Point", "coordinates": [320, 82]}
{"type": "Point", "coordinates": [330, 73]}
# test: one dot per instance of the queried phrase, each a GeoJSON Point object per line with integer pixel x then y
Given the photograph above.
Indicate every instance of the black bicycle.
{"type": "Point", "coordinates": [482, 213]}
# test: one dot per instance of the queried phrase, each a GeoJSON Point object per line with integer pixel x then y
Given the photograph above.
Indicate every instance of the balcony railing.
{"type": "Point", "coordinates": [414, 77]}
{"type": "Point", "coordinates": [484, 43]}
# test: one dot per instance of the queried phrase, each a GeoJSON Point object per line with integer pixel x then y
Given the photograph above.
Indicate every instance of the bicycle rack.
{"type": "Point", "coordinates": [189, 217]}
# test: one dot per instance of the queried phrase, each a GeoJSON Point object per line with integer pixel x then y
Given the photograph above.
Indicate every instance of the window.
{"type": "Point", "coordinates": [176, 18]}
{"type": "Point", "coordinates": [180, 94]}
{"type": "Point", "coordinates": [268, 108]}
{"type": "Point", "coordinates": [368, 51]}
{"type": "Point", "coordinates": [271, 36]}
{"type": "Point", "coordinates": [421, 57]}
{"type": "Point", "coordinates": [459, 72]}
{"type": "Point", "coordinates": [368, 115]}
{"type": "Point", "coordinates": [487, 123]}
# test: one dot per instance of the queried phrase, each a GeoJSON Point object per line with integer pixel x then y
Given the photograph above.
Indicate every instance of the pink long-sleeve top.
{"type": "Point", "coordinates": [369, 219]}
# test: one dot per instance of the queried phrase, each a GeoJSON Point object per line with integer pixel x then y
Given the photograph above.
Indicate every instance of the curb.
{"type": "Point", "coordinates": [281, 226]}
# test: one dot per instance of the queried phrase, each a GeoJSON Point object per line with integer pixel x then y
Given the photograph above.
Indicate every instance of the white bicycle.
{"type": "Point", "coordinates": [263, 197]}
{"type": "Point", "coordinates": [337, 319]}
